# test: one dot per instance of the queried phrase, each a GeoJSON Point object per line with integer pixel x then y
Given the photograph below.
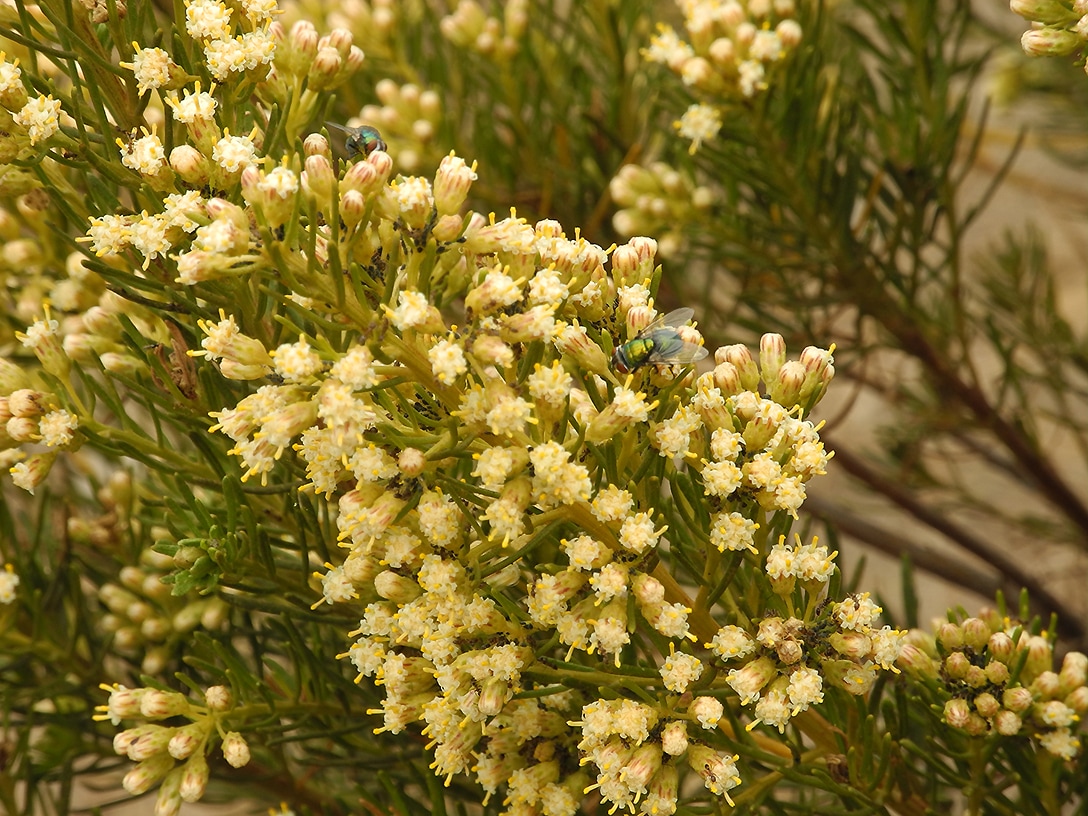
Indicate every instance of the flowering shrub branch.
{"type": "Point", "coordinates": [412, 483]}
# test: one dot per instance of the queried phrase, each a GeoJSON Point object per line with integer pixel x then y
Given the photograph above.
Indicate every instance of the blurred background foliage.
{"type": "Point", "coordinates": [838, 206]}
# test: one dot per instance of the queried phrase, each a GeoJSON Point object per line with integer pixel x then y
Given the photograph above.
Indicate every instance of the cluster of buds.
{"type": "Point", "coordinates": [732, 47]}
{"type": "Point", "coordinates": [1000, 680]}
{"type": "Point", "coordinates": [34, 428]}
{"type": "Point", "coordinates": [656, 200]}
{"type": "Point", "coordinates": [469, 26]}
{"type": "Point", "coordinates": [1059, 28]}
{"type": "Point", "coordinates": [324, 63]}
{"type": "Point", "coordinates": [146, 620]}
{"type": "Point", "coordinates": [408, 118]}
{"type": "Point", "coordinates": [373, 23]}
{"type": "Point", "coordinates": [789, 660]}
{"type": "Point", "coordinates": [157, 748]}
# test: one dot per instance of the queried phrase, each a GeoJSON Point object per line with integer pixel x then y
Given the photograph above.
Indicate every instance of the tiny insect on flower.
{"type": "Point", "coordinates": [658, 344]}
{"type": "Point", "coordinates": [364, 139]}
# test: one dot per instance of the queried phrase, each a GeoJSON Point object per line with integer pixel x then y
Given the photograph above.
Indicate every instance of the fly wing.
{"type": "Point", "coordinates": [679, 352]}
{"type": "Point", "coordinates": [676, 318]}
{"type": "Point", "coordinates": [345, 142]}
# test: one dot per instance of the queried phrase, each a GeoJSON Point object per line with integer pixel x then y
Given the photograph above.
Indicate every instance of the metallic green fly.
{"type": "Point", "coordinates": [658, 344]}
{"type": "Point", "coordinates": [364, 139]}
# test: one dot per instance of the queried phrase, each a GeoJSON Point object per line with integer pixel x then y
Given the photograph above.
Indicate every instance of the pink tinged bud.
{"type": "Point", "coordinates": [1017, 699]}
{"type": "Point", "coordinates": [1007, 723]}
{"type": "Point", "coordinates": [26, 402]}
{"type": "Point", "coordinates": [397, 588]}
{"type": "Point", "coordinates": [957, 713]}
{"type": "Point", "coordinates": [574, 341]}
{"type": "Point", "coordinates": [1078, 700]}
{"type": "Point", "coordinates": [304, 39]}
{"type": "Point", "coordinates": [235, 750]}
{"type": "Point", "coordinates": [325, 66]}
{"type": "Point", "coordinates": [352, 208]}
{"type": "Point", "coordinates": [727, 379]}
{"type": "Point", "coordinates": [772, 354]}
{"type": "Point", "coordinates": [186, 740]}
{"type": "Point", "coordinates": [750, 680]}
{"type": "Point", "coordinates": [1046, 685]}
{"type": "Point", "coordinates": [168, 802]}
{"type": "Point", "coordinates": [219, 698]}
{"type": "Point", "coordinates": [354, 61]}
{"type": "Point", "coordinates": [950, 636]}
{"type": "Point", "coordinates": [190, 164]}
{"type": "Point", "coordinates": [452, 183]}
{"type": "Point", "coordinates": [194, 778]}
{"type": "Point", "coordinates": [1074, 673]}
{"type": "Point", "coordinates": [448, 228]}
{"type": "Point", "coordinates": [956, 665]}
{"type": "Point", "coordinates": [363, 177]}
{"type": "Point", "coordinates": [740, 357]}
{"type": "Point", "coordinates": [147, 773]}
{"type": "Point", "coordinates": [916, 662]}
{"type": "Point", "coordinates": [316, 145]}
{"type": "Point", "coordinates": [1001, 647]}
{"type": "Point", "coordinates": [411, 462]}
{"type": "Point", "coordinates": [1051, 12]}
{"type": "Point", "coordinates": [642, 766]}
{"type": "Point", "coordinates": [339, 38]}
{"type": "Point", "coordinates": [785, 388]}
{"type": "Point", "coordinates": [493, 696]}
{"type": "Point", "coordinates": [32, 471]}
{"type": "Point", "coordinates": [1040, 656]}
{"type": "Point", "coordinates": [1050, 42]}
{"type": "Point", "coordinates": [987, 705]}
{"type": "Point", "coordinates": [157, 705]}
{"type": "Point", "coordinates": [853, 645]}
{"type": "Point", "coordinates": [318, 177]}
{"type": "Point", "coordinates": [976, 633]}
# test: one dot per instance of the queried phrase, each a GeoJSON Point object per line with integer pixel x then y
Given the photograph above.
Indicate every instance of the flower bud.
{"type": "Point", "coordinates": [235, 750]}
{"type": "Point", "coordinates": [1040, 655]}
{"type": "Point", "coordinates": [158, 705]}
{"type": "Point", "coordinates": [916, 662]}
{"type": "Point", "coordinates": [1046, 685]}
{"type": "Point", "coordinates": [987, 705]}
{"type": "Point", "coordinates": [147, 773]}
{"type": "Point", "coordinates": [1000, 646]}
{"type": "Point", "coordinates": [195, 777]}
{"type": "Point", "coordinates": [957, 713]}
{"type": "Point", "coordinates": [1017, 699]}
{"type": "Point", "coordinates": [956, 665]}
{"type": "Point", "coordinates": [976, 633]}
{"type": "Point", "coordinates": [1007, 723]}
{"type": "Point", "coordinates": [149, 740]}
{"type": "Point", "coordinates": [1050, 42]}
{"type": "Point", "coordinates": [997, 673]}
{"type": "Point", "coordinates": [219, 698]}
{"type": "Point", "coordinates": [772, 354]}
{"type": "Point", "coordinates": [452, 183]}
{"type": "Point", "coordinates": [186, 740]}
{"type": "Point", "coordinates": [168, 802]}
{"type": "Point", "coordinates": [1078, 700]}
{"type": "Point", "coordinates": [1074, 672]}
{"type": "Point", "coordinates": [975, 677]}
{"type": "Point", "coordinates": [318, 177]}
{"type": "Point", "coordinates": [950, 636]}
{"type": "Point", "coordinates": [397, 588]}
{"type": "Point", "coordinates": [1051, 12]}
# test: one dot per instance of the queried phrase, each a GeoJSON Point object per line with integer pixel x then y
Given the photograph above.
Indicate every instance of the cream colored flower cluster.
{"type": "Point", "coordinates": [730, 51]}
{"type": "Point", "coordinates": [657, 200]}
{"type": "Point", "coordinates": [156, 748]}
{"type": "Point", "coordinates": [1059, 28]}
{"type": "Point", "coordinates": [469, 26]}
{"type": "Point", "coordinates": [997, 678]}
{"type": "Point", "coordinates": [25, 122]}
